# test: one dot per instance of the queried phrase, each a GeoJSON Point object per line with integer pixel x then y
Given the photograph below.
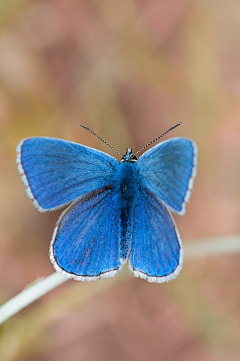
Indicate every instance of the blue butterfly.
{"type": "Point", "coordinates": [118, 211]}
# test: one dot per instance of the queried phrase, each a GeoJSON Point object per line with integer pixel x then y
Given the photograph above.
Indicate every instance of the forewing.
{"type": "Point", "coordinates": [86, 240]}
{"type": "Point", "coordinates": [168, 170]}
{"type": "Point", "coordinates": [156, 251]}
{"type": "Point", "coordinates": [55, 171]}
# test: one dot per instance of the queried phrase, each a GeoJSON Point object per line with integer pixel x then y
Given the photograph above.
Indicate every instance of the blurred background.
{"type": "Point", "coordinates": [129, 70]}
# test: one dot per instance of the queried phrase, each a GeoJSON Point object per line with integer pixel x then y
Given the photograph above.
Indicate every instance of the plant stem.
{"type": "Point", "coordinates": [196, 249]}
{"type": "Point", "coordinates": [30, 294]}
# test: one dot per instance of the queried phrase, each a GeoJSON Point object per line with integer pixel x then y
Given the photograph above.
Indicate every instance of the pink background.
{"type": "Point", "coordinates": [128, 69]}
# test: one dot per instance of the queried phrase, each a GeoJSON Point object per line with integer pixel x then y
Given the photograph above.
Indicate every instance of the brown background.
{"type": "Point", "coordinates": [128, 69]}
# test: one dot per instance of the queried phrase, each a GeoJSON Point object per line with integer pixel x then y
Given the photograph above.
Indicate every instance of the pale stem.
{"type": "Point", "coordinates": [196, 249]}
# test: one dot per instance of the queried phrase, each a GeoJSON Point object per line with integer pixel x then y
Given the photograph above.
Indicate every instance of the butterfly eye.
{"type": "Point", "coordinates": [133, 158]}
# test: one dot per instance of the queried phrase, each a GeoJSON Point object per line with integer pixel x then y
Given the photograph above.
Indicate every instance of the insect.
{"type": "Point", "coordinates": [117, 212]}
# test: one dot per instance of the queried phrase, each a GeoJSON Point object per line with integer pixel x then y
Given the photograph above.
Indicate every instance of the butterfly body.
{"type": "Point", "coordinates": [126, 187]}
{"type": "Point", "coordinates": [117, 212]}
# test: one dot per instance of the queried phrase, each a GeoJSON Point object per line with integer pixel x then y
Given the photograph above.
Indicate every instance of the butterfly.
{"type": "Point", "coordinates": [117, 212]}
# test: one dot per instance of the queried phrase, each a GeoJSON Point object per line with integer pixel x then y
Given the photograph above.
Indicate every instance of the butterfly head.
{"type": "Point", "coordinates": [129, 156]}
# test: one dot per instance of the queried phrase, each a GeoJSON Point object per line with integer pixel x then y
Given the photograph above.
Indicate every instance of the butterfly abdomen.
{"type": "Point", "coordinates": [126, 186]}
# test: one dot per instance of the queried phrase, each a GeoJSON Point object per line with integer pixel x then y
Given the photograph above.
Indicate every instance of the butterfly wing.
{"type": "Point", "coordinates": [86, 241]}
{"type": "Point", "coordinates": [156, 251]}
{"type": "Point", "coordinates": [168, 171]}
{"type": "Point", "coordinates": [55, 171]}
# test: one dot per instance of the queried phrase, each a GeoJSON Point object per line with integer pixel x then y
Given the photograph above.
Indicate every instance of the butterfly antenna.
{"type": "Point", "coordinates": [84, 126]}
{"type": "Point", "coordinates": [175, 126]}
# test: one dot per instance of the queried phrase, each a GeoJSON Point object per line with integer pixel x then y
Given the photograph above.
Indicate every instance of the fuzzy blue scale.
{"type": "Point", "coordinates": [117, 212]}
